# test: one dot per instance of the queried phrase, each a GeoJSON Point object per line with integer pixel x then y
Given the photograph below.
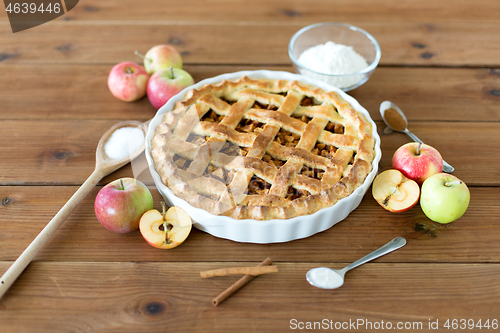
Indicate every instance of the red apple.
{"type": "Point", "coordinates": [165, 230]}
{"type": "Point", "coordinates": [120, 204]}
{"type": "Point", "coordinates": [166, 83]}
{"type": "Point", "coordinates": [417, 161]}
{"type": "Point", "coordinates": [162, 57]}
{"type": "Point", "coordinates": [394, 191]}
{"type": "Point", "coordinates": [128, 81]}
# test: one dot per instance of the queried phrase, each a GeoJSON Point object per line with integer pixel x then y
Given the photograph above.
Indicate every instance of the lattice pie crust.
{"type": "Point", "coordinates": [262, 149]}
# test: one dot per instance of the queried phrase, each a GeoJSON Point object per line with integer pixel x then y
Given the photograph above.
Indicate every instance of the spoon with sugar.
{"type": "Point", "coordinates": [112, 153]}
{"type": "Point", "coordinates": [327, 278]}
{"type": "Point", "coordinates": [396, 120]}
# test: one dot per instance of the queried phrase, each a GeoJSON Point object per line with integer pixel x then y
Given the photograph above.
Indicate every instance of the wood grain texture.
{"type": "Point", "coordinates": [67, 42]}
{"type": "Point", "coordinates": [63, 151]}
{"type": "Point", "coordinates": [285, 11]}
{"type": "Point", "coordinates": [132, 297]}
{"type": "Point", "coordinates": [80, 92]}
{"type": "Point", "coordinates": [55, 106]}
{"type": "Point", "coordinates": [438, 94]}
{"type": "Point", "coordinates": [26, 210]}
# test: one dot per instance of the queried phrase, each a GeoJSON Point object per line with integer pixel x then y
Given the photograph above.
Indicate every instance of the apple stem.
{"type": "Point", "coordinates": [121, 185]}
{"type": "Point", "coordinates": [418, 148]}
{"type": "Point", "coordinates": [386, 200]}
{"type": "Point", "coordinates": [164, 210]}
{"type": "Point", "coordinates": [165, 226]}
{"type": "Point", "coordinates": [141, 55]}
{"type": "Point", "coordinates": [172, 71]}
{"type": "Point", "coordinates": [129, 71]}
{"type": "Point", "coordinates": [455, 182]}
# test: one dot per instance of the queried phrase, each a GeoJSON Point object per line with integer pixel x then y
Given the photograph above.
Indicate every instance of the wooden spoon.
{"type": "Point", "coordinates": [104, 166]}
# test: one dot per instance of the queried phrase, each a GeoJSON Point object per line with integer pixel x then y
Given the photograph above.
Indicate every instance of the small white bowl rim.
{"type": "Point", "coordinates": [245, 223]}
{"type": "Point", "coordinates": [368, 69]}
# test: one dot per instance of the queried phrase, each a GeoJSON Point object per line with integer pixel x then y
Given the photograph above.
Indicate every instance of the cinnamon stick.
{"type": "Point", "coordinates": [238, 284]}
{"type": "Point", "coordinates": [257, 270]}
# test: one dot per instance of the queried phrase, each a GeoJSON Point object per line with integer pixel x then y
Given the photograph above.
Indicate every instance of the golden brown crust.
{"type": "Point", "coordinates": [303, 182]}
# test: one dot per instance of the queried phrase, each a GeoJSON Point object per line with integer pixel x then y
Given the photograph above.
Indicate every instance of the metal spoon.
{"type": "Point", "coordinates": [336, 277]}
{"type": "Point", "coordinates": [104, 166]}
{"type": "Point", "coordinates": [388, 105]}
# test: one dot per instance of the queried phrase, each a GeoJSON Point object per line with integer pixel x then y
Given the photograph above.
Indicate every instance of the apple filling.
{"type": "Point", "coordinates": [273, 161]}
{"type": "Point", "coordinates": [312, 172]}
{"type": "Point", "coordinates": [181, 162]}
{"type": "Point", "coordinates": [335, 128]}
{"type": "Point", "coordinates": [308, 101]}
{"type": "Point", "coordinates": [304, 119]}
{"type": "Point", "coordinates": [212, 117]}
{"type": "Point", "coordinates": [286, 138]}
{"type": "Point", "coordinates": [222, 175]}
{"type": "Point", "coordinates": [258, 186]}
{"type": "Point", "coordinates": [257, 105]}
{"type": "Point", "coordinates": [324, 150]}
{"type": "Point", "coordinates": [248, 126]}
{"type": "Point", "coordinates": [294, 193]}
{"type": "Point", "coordinates": [196, 139]}
{"type": "Point", "coordinates": [230, 149]}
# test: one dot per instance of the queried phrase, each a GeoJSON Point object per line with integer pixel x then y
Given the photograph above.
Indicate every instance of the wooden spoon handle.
{"type": "Point", "coordinates": [27, 256]}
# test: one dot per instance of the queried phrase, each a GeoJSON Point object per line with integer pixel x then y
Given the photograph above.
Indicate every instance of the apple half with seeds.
{"type": "Point", "coordinates": [165, 230]}
{"type": "Point", "coordinates": [394, 191]}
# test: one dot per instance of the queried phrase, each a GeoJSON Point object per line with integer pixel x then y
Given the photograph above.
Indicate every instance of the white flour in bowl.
{"type": "Point", "coordinates": [332, 58]}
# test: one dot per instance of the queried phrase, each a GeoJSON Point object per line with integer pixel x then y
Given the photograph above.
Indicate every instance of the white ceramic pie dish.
{"type": "Point", "coordinates": [270, 231]}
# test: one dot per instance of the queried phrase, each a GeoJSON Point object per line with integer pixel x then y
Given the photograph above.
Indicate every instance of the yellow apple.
{"type": "Point", "coordinates": [445, 198]}
{"type": "Point", "coordinates": [165, 230]}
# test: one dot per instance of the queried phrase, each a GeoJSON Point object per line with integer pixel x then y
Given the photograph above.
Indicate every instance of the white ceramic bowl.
{"type": "Point", "coordinates": [270, 231]}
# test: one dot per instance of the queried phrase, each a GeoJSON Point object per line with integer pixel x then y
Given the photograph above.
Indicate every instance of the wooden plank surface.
{"type": "Point", "coordinates": [286, 11]}
{"type": "Point", "coordinates": [144, 296]}
{"type": "Point", "coordinates": [67, 42]}
{"type": "Point", "coordinates": [25, 210]}
{"type": "Point", "coordinates": [33, 152]}
{"type": "Point", "coordinates": [439, 64]}
{"type": "Point", "coordinates": [81, 92]}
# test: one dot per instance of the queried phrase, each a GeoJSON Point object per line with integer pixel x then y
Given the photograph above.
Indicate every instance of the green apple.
{"type": "Point", "coordinates": [444, 198]}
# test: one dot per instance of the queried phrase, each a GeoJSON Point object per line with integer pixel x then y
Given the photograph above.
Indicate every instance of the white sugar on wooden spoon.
{"type": "Point", "coordinates": [123, 142]}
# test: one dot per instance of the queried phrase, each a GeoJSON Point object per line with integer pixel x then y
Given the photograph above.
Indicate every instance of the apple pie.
{"type": "Point", "coordinates": [262, 149]}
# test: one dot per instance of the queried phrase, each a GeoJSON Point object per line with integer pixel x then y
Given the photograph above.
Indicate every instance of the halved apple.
{"type": "Point", "coordinates": [394, 191]}
{"type": "Point", "coordinates": [165, 230]}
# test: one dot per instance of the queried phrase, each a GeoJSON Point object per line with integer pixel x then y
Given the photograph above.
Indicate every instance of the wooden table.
{"type": "Point", "coordinates": [440, 63]}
